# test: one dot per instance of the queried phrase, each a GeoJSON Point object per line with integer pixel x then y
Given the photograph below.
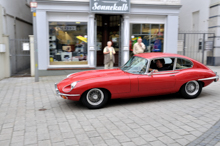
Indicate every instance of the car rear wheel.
{"type": "Point", "coordinates": [191, 89]}
{"type": "Point", "coordinates": [95, 98]}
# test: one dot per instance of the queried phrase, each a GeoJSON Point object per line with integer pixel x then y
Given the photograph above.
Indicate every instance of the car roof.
{"type": "Point", "coordinates": [158, 55]}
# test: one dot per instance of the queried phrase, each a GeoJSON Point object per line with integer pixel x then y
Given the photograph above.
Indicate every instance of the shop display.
{"type": "Point", "coordinates": [151, 35]}
{"type": "Point", "coordinates": [68, 46]}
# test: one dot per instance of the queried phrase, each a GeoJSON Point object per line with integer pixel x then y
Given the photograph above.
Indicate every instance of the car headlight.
{"type": "Point", "coordinates": [73, 84]}
{"type": "Point", "coordinates": [69, 87]}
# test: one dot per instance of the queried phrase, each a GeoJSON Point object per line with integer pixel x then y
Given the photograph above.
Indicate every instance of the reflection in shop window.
{"type": "Point", "coordinates": [68, 43]}
{"type": "Point", "coordinates": [152, 36]}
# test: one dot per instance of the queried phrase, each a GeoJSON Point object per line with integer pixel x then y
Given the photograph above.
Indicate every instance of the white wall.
{"type": "Point", "coordinates": [18, 9]}
{"type": "Point", "coordinates": [172, 2]}
{"type": "Point", "coordinates": [4, 56]}
{"type": "Point", "coordinates": [214, 23]}
{"type": "Point", "coordinates": [15, 22]}
{"type": "Point", "coordinates": [186, 18]}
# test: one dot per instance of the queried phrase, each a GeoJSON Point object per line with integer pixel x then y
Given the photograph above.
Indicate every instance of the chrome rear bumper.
{"type": "Point", "coordinates": [58, 92]}
{"type": "Point", "coordinates": [216, 78]}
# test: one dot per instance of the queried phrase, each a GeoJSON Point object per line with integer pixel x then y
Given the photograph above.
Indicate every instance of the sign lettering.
{"type": "Point", "coordinates": [111, 6]}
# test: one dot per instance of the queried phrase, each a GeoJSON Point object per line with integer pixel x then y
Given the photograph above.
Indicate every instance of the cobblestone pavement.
{"type": "Point", "coordinates": [31, 114]}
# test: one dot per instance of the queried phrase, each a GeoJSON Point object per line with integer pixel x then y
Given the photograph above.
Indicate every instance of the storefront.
{"type": "Point", "coordinates": [72, 34]}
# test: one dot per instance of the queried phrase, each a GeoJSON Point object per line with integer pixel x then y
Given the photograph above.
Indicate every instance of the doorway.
{"type": "Point", "coordinates": [108, 29]}
{"type": "Point", "coordinates": [19, 58]}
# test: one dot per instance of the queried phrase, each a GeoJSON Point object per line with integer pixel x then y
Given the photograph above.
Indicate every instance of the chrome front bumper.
{"type": "Point", "coordinates": [62, 94]}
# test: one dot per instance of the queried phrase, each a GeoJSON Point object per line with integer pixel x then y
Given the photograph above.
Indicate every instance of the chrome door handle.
{"type": "Point", "coordinates": [172, 75]}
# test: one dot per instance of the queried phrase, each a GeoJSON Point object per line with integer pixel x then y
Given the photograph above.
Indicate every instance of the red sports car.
{"type": "Point", "coordinates": [146, 74]}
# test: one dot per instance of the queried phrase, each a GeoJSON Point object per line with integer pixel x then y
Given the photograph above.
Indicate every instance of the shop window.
{"type": "Point", "coordinates": [136, 29]}
{"type": "Point", "coordinates": [152, 36]}
{"type": "Point", "coordinates": [68, 43]}
{"type": "Point", "coordinates": [145, 28]}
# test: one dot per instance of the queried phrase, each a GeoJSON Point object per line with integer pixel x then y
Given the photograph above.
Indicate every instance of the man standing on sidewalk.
{"type": "Point", "coordinates": [109, 58]}
{"type": "Point", "coordinates": [138, 47]}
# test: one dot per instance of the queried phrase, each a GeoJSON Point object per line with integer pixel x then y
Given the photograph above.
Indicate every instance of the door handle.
{"type": "Point", "coordinates": [172, 75]}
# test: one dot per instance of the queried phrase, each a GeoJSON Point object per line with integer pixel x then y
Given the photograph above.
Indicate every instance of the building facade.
{"type": "Point", "coordinates": [15, 23]}
{"type": "Point", "coordinates": [202, 17]}
{"type": "Point", "coordinates": [72, 34]}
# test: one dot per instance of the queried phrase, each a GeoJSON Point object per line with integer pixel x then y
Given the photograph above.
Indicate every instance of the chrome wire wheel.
{"type": "Point", "coordinates": [192, 88]}
{"type": "Point", "coordinates": [95, 97]}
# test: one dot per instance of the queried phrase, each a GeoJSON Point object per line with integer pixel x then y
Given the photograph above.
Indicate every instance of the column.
{"type": "Point", "coordinates": [214, 27]}
{"type": "Point", "coordinates": [125, 41]}
{"type": "Point", "coordinates": [91, 41]}
{"type": "Point", "coordinates": [31, 39]}
{"type": "Point", "coordinates": [171, 34]}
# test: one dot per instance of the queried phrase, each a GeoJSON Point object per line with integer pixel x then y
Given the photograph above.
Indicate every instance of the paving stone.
{"type": "Point", "coordinates": [112, 142]}
{"type": "Point", "coordinates": [106, 136]}
{"type": "Point", "coordinates": [131, 134]}
{"type": "Point", "coordinates": [182, 141]}
{"type": "Point", "coordinates": [128, 144]}
{"type": "Point", "coordinates": [6, 136]}
{"type": "Point", "coordinates": [96, 140]}
{"type": "Point", "coordinates": [17, 139]}
{"type": "Point", "coordinates": [59, 144]}
{"type": "Point", "coordinates": [18, 144]}
{"type": "Point", "coordinates": [5, 143]}
{"type": "Point", "coordinates": [149, 137]}
{"type": "Point", "coordinates": [44, 143]}
{"type": "Point", "coordinates": [157, 143]}
{"type": "Point", "coordinates": [122, 138]}
{"type": "Point", "coordinates": [70, 141]}
{"type": "Point", "coordinates": [116, 132]}
{"type": "Point", "coordinates": [167, 140]}
{"type": "Point", "coordinates": [85, 143]}
{"type": "Point", "coordinates": [139, 141]}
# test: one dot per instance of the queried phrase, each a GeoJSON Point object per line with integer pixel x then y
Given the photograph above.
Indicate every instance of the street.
{"type": "Point", "coordinates": [31, 114]}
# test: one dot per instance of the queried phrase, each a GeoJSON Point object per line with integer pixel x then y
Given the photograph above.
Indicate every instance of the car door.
{"type": "Point", "coordinates": [157, 81]}
{"type": "Point", "coordinates": [162, 81]}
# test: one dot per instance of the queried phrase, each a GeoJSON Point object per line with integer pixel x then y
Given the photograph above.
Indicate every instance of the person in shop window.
{"type": "Point", "coordinates": [109, 58]}
{"type": "Point", "coordinates": [138, 47]}
{"type": "Point", "coordinates": [157, 45]}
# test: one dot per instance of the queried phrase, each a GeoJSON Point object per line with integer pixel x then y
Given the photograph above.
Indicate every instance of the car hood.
{"type": "Point", "coordinates": [95, 74]}
{"type": "Point", "coordinates": [85, 75]}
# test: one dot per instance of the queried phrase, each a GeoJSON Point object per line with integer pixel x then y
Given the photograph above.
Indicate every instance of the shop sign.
{"type": "Point", "coordinates": [110, 6]}
{"type": "Point", "coordinates": [25, 46]}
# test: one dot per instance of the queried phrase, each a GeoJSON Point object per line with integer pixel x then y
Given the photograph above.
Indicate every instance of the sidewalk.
{"type": "Point", "coordinates": [31, 114]}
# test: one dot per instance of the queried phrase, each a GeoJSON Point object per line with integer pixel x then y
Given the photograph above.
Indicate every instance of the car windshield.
{"type": "Point", "coordinates": [136, 65]}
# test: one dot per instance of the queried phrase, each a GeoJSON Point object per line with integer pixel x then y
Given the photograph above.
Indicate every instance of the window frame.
{"type": "Point", "coordinates": [49, 66]}
{"type": "Point", "coordinates": [183, 59]}
{"type": "Point", "coordinates": [174, 63]}
{"type": "Point", "coordinates": [149, 33]}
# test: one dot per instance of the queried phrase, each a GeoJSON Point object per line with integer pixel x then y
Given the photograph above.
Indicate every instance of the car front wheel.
{"type": "Point", "coordinates": [95, 98]}
{"type": "Point", "coordinates": [191, 89]}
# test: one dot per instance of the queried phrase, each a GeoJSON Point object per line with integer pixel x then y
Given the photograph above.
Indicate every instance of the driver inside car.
{"type": "Point", "coordinates": [160, 66]}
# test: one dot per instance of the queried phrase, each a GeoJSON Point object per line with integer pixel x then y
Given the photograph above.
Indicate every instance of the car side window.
{"type": "Point", "coordinates": [183, 63]}
{"type": "Point", "coordinates": [166, 64]}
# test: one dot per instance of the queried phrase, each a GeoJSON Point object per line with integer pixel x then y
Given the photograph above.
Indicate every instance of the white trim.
{"type": "Point", "coordinates": [67, 66]}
